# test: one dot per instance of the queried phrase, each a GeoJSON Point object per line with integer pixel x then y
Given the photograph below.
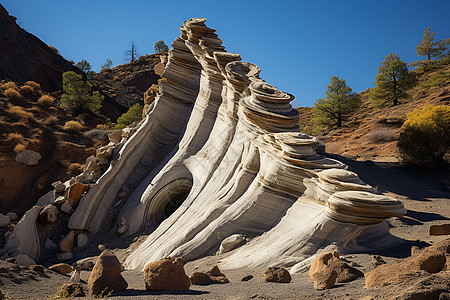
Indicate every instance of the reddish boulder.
{"type": "Point", "coordinates": [75, 192]}
{"type": "Point", "coordinates": [214, 276]}
{"type": "Point", "coordinates": [62, 268]}
{"type": "Point", "coordinates": [442, 229]}
{"type": "Point", "coordinates": [325, 278]}
{"type": "Point", "coordinates": [166, 275]}
{"type": "Point", "coordinates": [105, 276]}
{"type": "Point", "coordinates": [275, 274]}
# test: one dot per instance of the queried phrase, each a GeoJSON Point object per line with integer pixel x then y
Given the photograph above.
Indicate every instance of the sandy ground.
{"type": "Point", "coordinates": [422, 192]}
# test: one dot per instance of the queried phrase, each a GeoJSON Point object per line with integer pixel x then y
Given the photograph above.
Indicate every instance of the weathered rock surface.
{"type": "Point", "coordinates": [48, 215]}
{"type": "Point", "coordinates": [61, 268]}
{"type": "Point", "coordinates": [274, 274]}
{"type": "Point", "coordinates": [166, 275]}
{"type": "Point", "coordinates": [28, 157]}
{"type": "Point", "coordinates": [213, 276]}
{"type": "Point", "coordinates": [75, 192]}
{"type": "Point", "coordinates": [442, 229]}
{"type": "Point", "coordinates": [231, 242]}
{"type": "Point", "coordinates": [105, 276]}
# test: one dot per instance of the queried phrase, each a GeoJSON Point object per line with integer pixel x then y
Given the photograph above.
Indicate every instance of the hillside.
{"type": "Point", "coordinates": [373, 134]}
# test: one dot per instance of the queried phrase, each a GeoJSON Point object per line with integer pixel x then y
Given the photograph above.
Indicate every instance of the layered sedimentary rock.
{"type": "Point", "coordinates": [220, 153]}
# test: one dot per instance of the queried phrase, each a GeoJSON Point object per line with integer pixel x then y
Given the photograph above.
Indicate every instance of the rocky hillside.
{"type": "Point", "coordinates": [373, 134]}
{"type": "Point", "coordinates": [127, 83]}
{"type": "Point", "coordinates": [24, 57]}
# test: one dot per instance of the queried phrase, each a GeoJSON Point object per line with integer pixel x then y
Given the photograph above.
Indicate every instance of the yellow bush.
{"type": "Point", "coordinates": [9, 85]}
{"type": "Point", "coordinates": [73, 126]}
{"type": "Point", "coordinates": [16, 137]}
{"type": "Point", "coordinates": [425, 135]}
{"type": "Point", "coordinates": [11, 93]}
{"type": "Point", "coordinates": [34, 85]}
{"type": "Point", "coordinates": [27, 90]}
{"type": "Point", "coordinates": [19, 112]}
{"type": "Point", "coordinates": [19, 148]}
{"type": "Point", "coordinates": [46, 100]}
{"type": "Point", "coordinates": [51, 120]}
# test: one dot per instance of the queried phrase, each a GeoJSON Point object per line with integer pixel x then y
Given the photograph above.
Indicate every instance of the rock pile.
{"type": "Point", "coordinates": [213, 276]}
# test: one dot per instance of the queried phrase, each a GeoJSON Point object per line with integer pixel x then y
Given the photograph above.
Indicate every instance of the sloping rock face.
{"type": "Point", "coordinates": [219, 153]}
{"type": "Point", "coordinates": [32, 59]}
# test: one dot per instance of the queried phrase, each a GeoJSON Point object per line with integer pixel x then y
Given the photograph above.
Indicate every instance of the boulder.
{"type": "Point", "coordinates": [38, 269]}
{"type": "Point", "coordinates": [442, 229]}
{"type": "Point", "coordinates": [12, 216]}
{"type": "Point", "coordinates": [4, 220]}
{"type": "Point", "coordinates": [61, 268]}
{"type": "Point", "coordinates": [92, 164]}
{"type": "Point", "coordinates": [166, 275]}
{"type": "Point", "coordinates": [115, 136]}
{"type": "Point", "coordinates": [75, 192]}
{"type": "Point", "coordinates": [325, 278]}
{"type": "Point", "coordinates": [214, 276]}
{"type": "Point", "coordinates": [82, 240]}
{"type": "Point", "coordinates": [59, 186]}
{"type": "Point", "coordinates": [65, 256]}
{"type": "Point", "coordinates": [50, 245]}
{"type": "Point", "coordinates": [28, 157]}
{"type": "Point", "coordinates": [67, 242]}
{"type": "Point", "coordinates": [432, 263]}
{"type": "Point", "coordinates": [48, 215]}
{"type": "Point", "coordinates": [71, 289]}
{"type": "Point", "coordinates": [24, 260]}
{"type": "Point", "coordinates": [275, 274]}
{"type": "Point", "coordinates": [66, 207]}
{"type": "Point", "coordinates": [231, 242]}
{"type": "Point", "coordinates": [105, 276]}
{"type": "Point", "coordinates": [105, 151]}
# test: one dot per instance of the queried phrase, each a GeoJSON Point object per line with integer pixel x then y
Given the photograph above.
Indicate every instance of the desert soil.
{"type": "Point", "coordinates": [423, 193]}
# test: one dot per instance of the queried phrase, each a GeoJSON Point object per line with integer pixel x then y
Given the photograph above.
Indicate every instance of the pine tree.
{"type": "Point", "coordinates": [108, 64]}
{"type": "Point", "coordinates": [160, 46]}
{"type": "Point", "coordinates": [340, 102]}
{"type": "Point", "coordinates": [86, 67]}
{"type": "Point", "coordinates": [78, 96]}
{"type": "Point", "coordinates": [392, 82]}
{"type": "Point", "coordinates": [427, 47]}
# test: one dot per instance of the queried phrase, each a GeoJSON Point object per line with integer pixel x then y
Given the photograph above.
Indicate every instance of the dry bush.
{"type": "Point", "coordinates": [19, 148]}
{"type": "Point", "coordinates": [73, 126]}
{"type": "Point", "coordinates": [9, 85]}
{"type": "Point", "coordinates": [16, 137]}
{"type": "Point", "coordinates": [20, 112]}
{"type": "Point", "coordinates": [382, 135]}
{"type": "Point", "coordinates": [27, 91]}
{"type": "Point", "coordinates": [11, 93]}
{"type": "Point", "coordinates": [51, 120]}
{"type": "Point", "coordinates": [34, 85]}
{"type": "Point", "coordinates": [46, 100]}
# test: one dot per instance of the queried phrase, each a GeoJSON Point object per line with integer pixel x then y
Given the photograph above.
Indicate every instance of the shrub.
{"type": "Point", "coordinates": [9, 85]}
{"type": "Point", "coordinates": [425, 137]}
{"type": "Point", "coordinates": [382, 135]}
{"type": "Point", "coordinates": [16, 137]}
{"type": "Point", "coordinates": [439, 79]}
{"type": "Point", "coordinates": [27, 91]}
{"type": "Point", "coordinates": [34, 85]}
{"type": "Point", "coordinates": [73, 126]}
{"type": "Point", "coordinates": [46, 100]}
{"type": "Point", "coordinates": [19, 112]}
{"type": "Point", "coordinates": [78, 96]}
{"type": "Point", "coordinates": [11, 93]}
{"type": "Point", "coordinates": [19, 148]}
{"type": "Point", "coordinates": [132, 115]}
{"type": "Point", "coordinates": [51, 120]}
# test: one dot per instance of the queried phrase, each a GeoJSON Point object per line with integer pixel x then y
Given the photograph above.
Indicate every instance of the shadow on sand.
{"type": "Point", "coordinates": [134, 292]}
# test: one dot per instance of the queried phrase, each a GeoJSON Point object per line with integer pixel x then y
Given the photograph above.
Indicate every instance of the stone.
{"type": "Point", "coordinates": [12, 216]}
{"type": "Point", "coordinates": [66, 207]}
{"type": "Point", "coordinates": [92, 164]}
{"type": "Point", "coordinates": [123, 227]}
{"type": "Point", "coordinates": [321, 262]}
{"type": "Point", "coordinates": [24, 260]}
{"type": "Point", "coordinates": [65, 256]}
{"type": "Point", "coordinates": [275, 274]}
{"type": "Point", "coordinates": [82, 240]}
{"type": "Point", "coordinates": [432, 263]}
{"type": "Point", "coordinates": [377, 260]}
{"type": "Point", "coordinates": [115, 136]}
{"type": "Point", "coordinates": [4, 220]}
{"type": "Point", "coordinates": [331, 260]}
{"type": "Point", "coordinates": [59, 200]}
{"type": "Point", "coordinates": [38, 269]}
{"type": "Point", "coordinates": [59, 186]}
{"type": "Point", "coordinates": [61, 268]}
{"type": "Point", "coordinates": [75, 192]}
{"type": "Point", "coordinates": [214, 276]}
{"type": "Point", "coordinates": [324, 278]}
{"type": "Point", "coordinates": [105, 151]}
{"type": "Point", "coordinates": [28, 157]}
{"type": "Point", "coordinates": [442, 229]}
{"type": "Point", "coordinates": [166, 275]}
{"type": "Point", "coordinates": [48, 215]}
{"type": "Point", "coordinates": [105, 276]}
{"type": "Point", "coordinates": [71, 289]}
{"type": "Point", "coordinates": [101, 247]}
{"type": "Point", "coordinates": [86, 263]}
{"type": "Point", "coordinates": [231, 242]}
{"type": "Point", "coordinates": [247, 278]}
{"type": "Point", "coordinates": [76, 276]}
{"type": "Point", "coordinates": [67, 242]}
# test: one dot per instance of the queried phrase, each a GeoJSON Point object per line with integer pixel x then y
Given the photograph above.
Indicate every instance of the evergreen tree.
{"type": "Point", "coordinates": [160, 46]}
{"type": "Point", "coordinates": [392, 82]}
{"type": "Point", "coordinates": [86, 67]}
{"type": "Point", "coordinates": [78, 96]}
{"type": "Point", "coordinates": [132, 115]}
{"type": "Point", "coordinates": [427, 47]}
{"type": "Point", "coordinates": [108, 64]}
{"type": "Point", "coordinates": [340, 102]}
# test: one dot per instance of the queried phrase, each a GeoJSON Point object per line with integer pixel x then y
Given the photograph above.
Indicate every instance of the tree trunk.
{"type": "Point", "coordinates": [395, 90]}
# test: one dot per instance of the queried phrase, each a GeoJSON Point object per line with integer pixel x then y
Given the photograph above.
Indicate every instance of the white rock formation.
{"type": "Point", "coordinates": [220, 153]}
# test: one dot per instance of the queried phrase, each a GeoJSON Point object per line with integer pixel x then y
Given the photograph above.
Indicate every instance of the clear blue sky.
{"type": "Point", "coordinates": [298, 45]}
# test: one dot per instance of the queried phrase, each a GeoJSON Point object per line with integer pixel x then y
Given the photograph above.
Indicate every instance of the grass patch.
{"type": "Point", "coordinates": [73, 126]}
{"type": "Point", "coordinates": [20, 113]}
{"type": "Point", "coordinates": [382, 135]}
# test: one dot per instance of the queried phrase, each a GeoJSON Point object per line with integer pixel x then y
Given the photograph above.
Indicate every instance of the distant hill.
{"type": "Point", "coordinates": [373, 134]}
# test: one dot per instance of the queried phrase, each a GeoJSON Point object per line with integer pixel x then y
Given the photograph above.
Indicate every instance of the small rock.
{"type": "Point", "coordinates": [86, 263]}
{"type": "Point", "coordinates": [59, 200]}
{"type": "Point", "coordinates": [12, 216]}
{"type": "Point", "coordinates": [166, 275]}
{"type": "Point", "coordinates": [65, 256]}
{"type": "Point", "coordinates": [231, 242]}
{"type": "Point", "coordinates": [105, 276]}
{"type": "Point", "coordinates": [101, 247]}
{"type": "Point", "coordinates": [48, 215]}
{"type": "Point", "coordinates": [76, 276]}
{"type": "Point", "coordinates": [66, 207]}
{"type": "Point", "coordinates": [82, 240]}
{"type": "Point", "coordinates": [4, 220]}
{"type": "Point", "coordinates": [66, 243]}
{"type": "Point", "coordinates": [105, 151]}
{"type": "Point", "coordinates": [71, 289]}
{"type": "Point", "coordinates": [59, 186]}
{"type": "Point", "coordinates": [75, 192]}
{"type": "Point", "coordinates": [122, 194]}
{"type": "Point", "coordinates": [442, 229]}
{"type": "Point", "coordinates": [24, 260]}
{"type": "Point", "coordinates": [214, 276]}
{"type": "Point", "coordinates": [51, 245]}
{"type": "Point", "coordinates": [38, 269]}
{"type": "Point", "coordinates": [115, 136]}
{"type": "Point", "coordinates": [28, 157]}
{"type": "Point", "coordinates": [247, 278]}
{"type": "Point", "coordinates": [275, 274]}
{"type": "Point", "coordinates": [377, 260]}
{"type": "Point", "coordinates": [62, 268]}
{"type": "Point", "coordinates": [123, 227]}
{"type": "Point", "coordinates": [92, 164]}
